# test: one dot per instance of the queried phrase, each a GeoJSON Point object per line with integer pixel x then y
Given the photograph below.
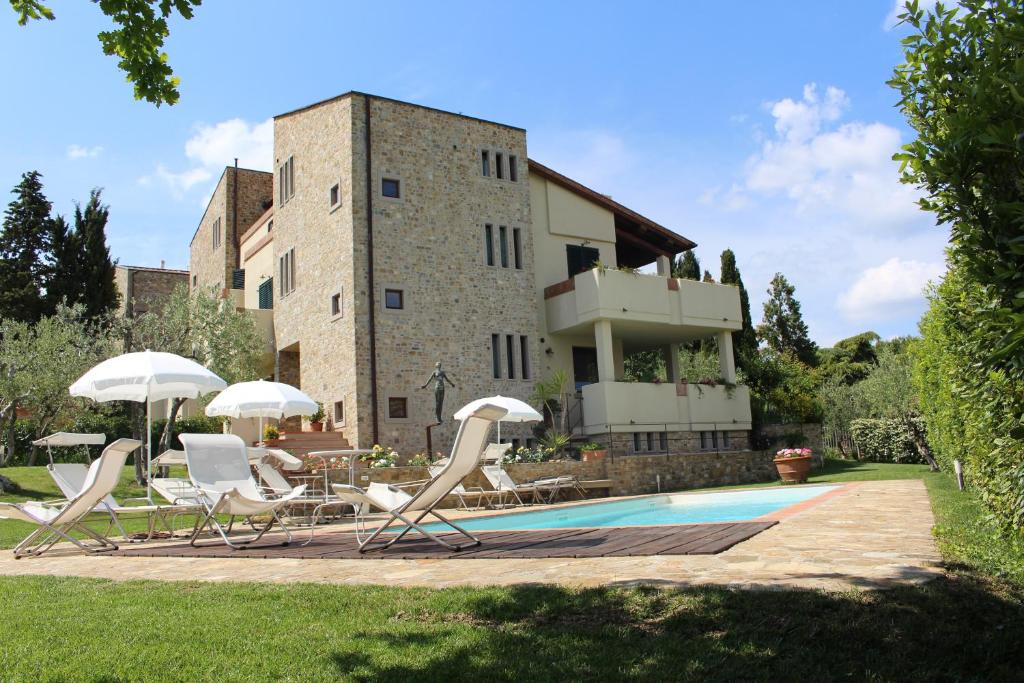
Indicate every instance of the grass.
{"type": "Point", "coordinates": [967, 625]}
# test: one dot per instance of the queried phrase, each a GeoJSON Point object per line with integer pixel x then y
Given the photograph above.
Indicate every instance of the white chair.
{"type": "Point", "coordinates": [409, 509]}
{"type": "Point", "coordinates": [70, 478]}
{"type": "Point", "coordinates": [58, 522]}
{"type": "Point", "coordinates": [482, 495]}
{"type": "Point", "coordinates": [543, 490]}
{"type": "Point", "coordinates": [219, 467]}
{"type": "Point", "coordinates": [495, 453]}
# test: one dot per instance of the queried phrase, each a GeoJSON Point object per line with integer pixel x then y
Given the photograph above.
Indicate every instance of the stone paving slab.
{"type": "Point", "coordinates": [868, 535]}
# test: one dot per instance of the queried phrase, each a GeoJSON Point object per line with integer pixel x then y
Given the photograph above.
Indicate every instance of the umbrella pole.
{"type": "Point", "coordinates": [149, 450]}
{"type": "Point", "coordinates": [259, 439]}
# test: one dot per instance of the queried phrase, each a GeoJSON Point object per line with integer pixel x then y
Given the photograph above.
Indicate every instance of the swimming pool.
{"type": "Point", "coordinates": [725, 506]}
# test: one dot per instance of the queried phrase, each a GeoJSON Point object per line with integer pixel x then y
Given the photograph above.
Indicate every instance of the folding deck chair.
{"type": "Point", "coordinates": [218, 465]}
{"type": "Point", "coordinates": [58, 522]}
{"type": "Point", "coordinates": [403, 508]}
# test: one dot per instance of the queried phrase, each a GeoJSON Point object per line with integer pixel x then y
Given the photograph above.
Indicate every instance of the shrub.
{"type": "Point", "coordinates": [186, 425]}
{"type": "Point", "coordinates": [419, 460]}
{"type": "Point", "coordinates": [885, 440]}
{"type": "Point", "coordinates": [271, 432]}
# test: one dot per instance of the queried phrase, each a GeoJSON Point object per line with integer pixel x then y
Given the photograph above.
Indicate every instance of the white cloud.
{"type": "Point", "coordinates": [892, 19]}
{"type": "Point", "coordinates": [596, 158]}
{"type": "Point", "coordinates": [826, 166]}
{"type": "Point", "coordinates": [212, 147]}
{"type": "Point", "coordinates": [81, 152]}
{"type": "Point", "coordinates": [888, 291]}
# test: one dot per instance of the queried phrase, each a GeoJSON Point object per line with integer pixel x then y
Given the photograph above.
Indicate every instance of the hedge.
{"type": "Point", "coordinates": [885, 440]}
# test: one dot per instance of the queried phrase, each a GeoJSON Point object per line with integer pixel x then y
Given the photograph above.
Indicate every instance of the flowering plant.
{"type": "Point", "coordinates": [381, 456]}
{"type": "Point", "coordinates": [793, 453]}
{"type": "Point", "coordinates": [419, 460]}
{"type": "Point", "coordinates": [524, 454]}
{"type": "Point", "coordinates": [316, 465]}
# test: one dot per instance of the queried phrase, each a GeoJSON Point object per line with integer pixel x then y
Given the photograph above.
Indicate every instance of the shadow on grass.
{"type": "Point", "coordinates": [951, 629]}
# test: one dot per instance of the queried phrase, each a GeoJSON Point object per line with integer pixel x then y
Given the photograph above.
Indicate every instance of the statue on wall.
{"type": "Point", "coordinates": [438, 377]}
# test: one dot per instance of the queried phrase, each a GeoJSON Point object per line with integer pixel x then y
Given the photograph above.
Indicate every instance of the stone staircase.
{"type": "Point", "coordinates": [301, 443]}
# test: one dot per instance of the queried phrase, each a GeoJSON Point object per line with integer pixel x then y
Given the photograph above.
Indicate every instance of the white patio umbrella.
{"type": "Point", "coordinates": [146, 376]}
{"type": "Point", "coordinates": [261, 399]}
{"type": "Point", "coordinates": [518, 411]}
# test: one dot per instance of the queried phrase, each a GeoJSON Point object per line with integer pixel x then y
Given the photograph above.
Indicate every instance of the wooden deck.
{"type": "Point", "coordinates": [691, 539]}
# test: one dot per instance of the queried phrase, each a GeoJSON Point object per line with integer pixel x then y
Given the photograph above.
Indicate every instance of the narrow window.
{"type": "Point", "coordinates": [398, 408]}
{"type": "Point", "coordinates": [714, 440]}
{"type": "Point", "coordinates": [663, 441]}
{"type": "Point", "coordinates": [524, 357]}
{"type": "Point", "coordinates": [270, 226]}
{"type": "Point", "coordinates": [291, 177]}
{"type": "Point", "coordinates": [291, 270]}
{"type": "Point", "coordinates": [499, 163]}
{"type": "Point", "coordinates": [703, 441]}
{"type": "Point", "coordinates": [335, 195]}
{"type": "Point", "coordinates": [517, 248]}
{"type": "Point", "coordinates": [216, 233]}
{"type": "Point", "coordinates": [515, 444]}
{"type": "Point", "coordinates": [280, 185]}
{"type": "Point", "coordinates": [282, 274]}
{"type": "Point", "coordinates": [636, 442]}
{"type": "Point", "coordinates": [394, 299]}
{"type": "Point", "coordinates": [650, 441]}
{"type": "Point", "coordinates": [510, 354]}
{"type": "Point", "coordinates": [485, 162]}
{"type": "Point", "coordinates": [339, 412]}
{"type": "Point", "coordinates": [725, 439]}
{"type": "Point", "coordinates": [495, 356]}
{"type": "Point", "coordinates": [513, 172]}
{"type": "Point", "coordinates": [336, 305]}
{"type": "Point", "coordinates": [503, 245]}
{"type": "Point", "coordinates": [489, 243]}
{"type": "Point", "coordinates": [195, 280]}
{"type": "Point", "coordinates": [389, 188]}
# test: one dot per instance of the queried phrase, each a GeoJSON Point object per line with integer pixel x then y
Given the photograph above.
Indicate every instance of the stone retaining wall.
{"type": "Point", "coordinates": [630, 475]}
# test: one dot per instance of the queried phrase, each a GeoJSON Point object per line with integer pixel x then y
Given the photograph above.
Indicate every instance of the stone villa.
{"type": "Point", "coordinates": [391, 236]}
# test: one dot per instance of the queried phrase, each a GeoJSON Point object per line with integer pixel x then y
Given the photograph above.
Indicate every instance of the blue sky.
{"type": "Point", "coordinates": [766, 127]}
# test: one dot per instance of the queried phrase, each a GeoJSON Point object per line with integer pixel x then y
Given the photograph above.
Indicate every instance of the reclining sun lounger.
{"type": "Point", "coordinates": [70, 478]}
{"type": "Point", "coordinates": [409, 510]}
{"type": "Point", "coordinates": [58, 522]}
{"type": "Point", "coordinates": [219, 467]}
{"type": "Point", "coordinates": [540, 490]}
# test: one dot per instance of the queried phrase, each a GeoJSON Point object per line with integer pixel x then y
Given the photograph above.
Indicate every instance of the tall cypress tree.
{"type": "Point", "coordinates": [96, 267]}
{"type": "Point", "coordinates": [783, 327]}
{"type": "Point", "coordinates": [687, 267]}
{"type": "Point", "coordinates": [65, 281]}
{"type": "Point", "coordinates": [24, 240]}
{"type": "Point", "coordinates": [744, 340]}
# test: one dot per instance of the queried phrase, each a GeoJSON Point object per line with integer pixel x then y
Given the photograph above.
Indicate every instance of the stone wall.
{"type": "Point", "coordinates": [629, 476]}
{"type": "Point", "coordinates": [145, 290]}
{"type": "Point", "coordinates": [623, 443]}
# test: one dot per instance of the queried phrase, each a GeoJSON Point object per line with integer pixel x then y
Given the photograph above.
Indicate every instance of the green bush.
{"type": "Point", "coordinates": [885, 440]}
{"type": "Point", "coordinates": [186, 425]}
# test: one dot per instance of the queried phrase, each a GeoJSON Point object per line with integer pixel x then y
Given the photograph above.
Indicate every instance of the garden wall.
{"type": "Point", "coordinates": [628, 475]}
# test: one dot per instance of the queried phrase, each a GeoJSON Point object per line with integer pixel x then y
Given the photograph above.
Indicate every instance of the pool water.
{"type": "Point", "coordinates": [725, 506]}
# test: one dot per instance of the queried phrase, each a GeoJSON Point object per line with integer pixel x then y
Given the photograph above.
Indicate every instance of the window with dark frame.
{"type": "Point", "coordinates": [398, 408]}
{"type": "Point", "coordinates": [580, 259]}
{"type": "Point", "coordinates": [216, 233]}
{"type": "Point", "coordinates": [510, 355]}
{"type": "Point", "coordinates": [725, 439]}
{"type": "Point", "coordinates": [496, 356]}
{"type": "Point", "coordinates": [663, 441]}
{"type": "Point", "coordinates": [195, 281]}
{"type": "Point", "coordinates": [286, 272]}
{"type": "Point", "coordinates": [336, 304]}
{"type": "Point", "coordinates": [339, 411]}
{"type": "Point", "coordinates": [517, 248]}
{"type": "Point", "coordinates": [499, 163]}
{"type": "Point", "coordinates": [389, 187]}
{"type": "Point", "coordinates": [513, 172]}
{"type": "Point", "coordinates": [489, 243]}
{"type": "Point", "coordinates": [650, 441]}
{"type": "Point", "coordinates": [636, 442]}
{"type": "Point", "coordinates": [524, 357]}
{"type": "Point", "coordinates": [503, 245]}
{"type": "Point", "coordinates": [485, 163]}
{"type": "Point", "coordinates": [335, 195]}
{"type": "Point", "coordinates": [265, 294]}
{"type": "Point", "coordinates": [394, 299]}
{"type": "Point", "coordinates": [286, 181]}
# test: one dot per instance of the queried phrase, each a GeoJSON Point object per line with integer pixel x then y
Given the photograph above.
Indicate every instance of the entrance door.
{"type": "Point", "coordinates": [584, 365]}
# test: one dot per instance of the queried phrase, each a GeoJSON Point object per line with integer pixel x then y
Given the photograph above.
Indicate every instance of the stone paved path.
{"type": "Point", "coordinates": [869, 535]}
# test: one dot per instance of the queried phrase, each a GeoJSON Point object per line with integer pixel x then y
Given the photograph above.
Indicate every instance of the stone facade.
{"type": "Point", "coordinates": [211, 267]}
{"type": "Point", "coordinates": [625, 443]}
{"type": "Point", "coordinates": [144, 289]}
{"type": "Point", "coordinates": [428, 243]}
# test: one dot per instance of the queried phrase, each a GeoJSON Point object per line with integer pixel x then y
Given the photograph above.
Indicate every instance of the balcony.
{"type": "Point", "coordinates": [635, 406]}
{"type": "Point", "coordinates": [659, 305]}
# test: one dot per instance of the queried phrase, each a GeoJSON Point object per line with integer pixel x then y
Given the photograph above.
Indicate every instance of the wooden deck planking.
{"type": "Point", "coordinates": [690, 539]}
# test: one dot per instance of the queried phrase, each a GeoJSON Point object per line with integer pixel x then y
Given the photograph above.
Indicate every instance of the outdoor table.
{"type": "Point", "coordinates": [351, 455]}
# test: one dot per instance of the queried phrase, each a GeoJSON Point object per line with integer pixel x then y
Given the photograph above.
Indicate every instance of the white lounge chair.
{"type": "Point", "coordinates": [58, 522]}
{"type": "Point", "coordinates": [542, 490]}
{"type": "Point", "coordinates": [410, 510]}
{"type": "Point", "coordinates": [495, 453]}
{"type": "Point", "coordinates": [219, 467]}
{"type": "Point", "coordinates": [70, 478]}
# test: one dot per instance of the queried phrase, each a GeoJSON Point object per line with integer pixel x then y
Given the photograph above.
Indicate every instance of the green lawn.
{"type": "Point", "coordinates": [965, 626]}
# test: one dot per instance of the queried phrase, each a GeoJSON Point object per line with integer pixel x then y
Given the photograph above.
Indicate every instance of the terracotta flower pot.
{"type": "Point", "coordinates": [793, 469]}
{"type": "Point", "coordinates": [587, 456]}
{"type": "Point", "coordinates": [316, 426]}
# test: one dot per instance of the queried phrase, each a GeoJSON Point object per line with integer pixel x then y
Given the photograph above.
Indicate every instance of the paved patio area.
{"type": "Point", "coordinates": [867, 535]}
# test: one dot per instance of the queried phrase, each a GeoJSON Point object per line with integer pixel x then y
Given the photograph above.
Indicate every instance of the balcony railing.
{"type": "Point", "coordinates": [624, 406]}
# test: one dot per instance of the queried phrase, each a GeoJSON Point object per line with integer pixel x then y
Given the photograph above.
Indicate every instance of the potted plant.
{"type": "Point", "coordinates": [316, 420]}
{"type": "Point", "coordinates": [592, 451]}
{"type": "Point", "coordinates": [271, 434]}
{"type": "Point", "coordinates": [793, 464]}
